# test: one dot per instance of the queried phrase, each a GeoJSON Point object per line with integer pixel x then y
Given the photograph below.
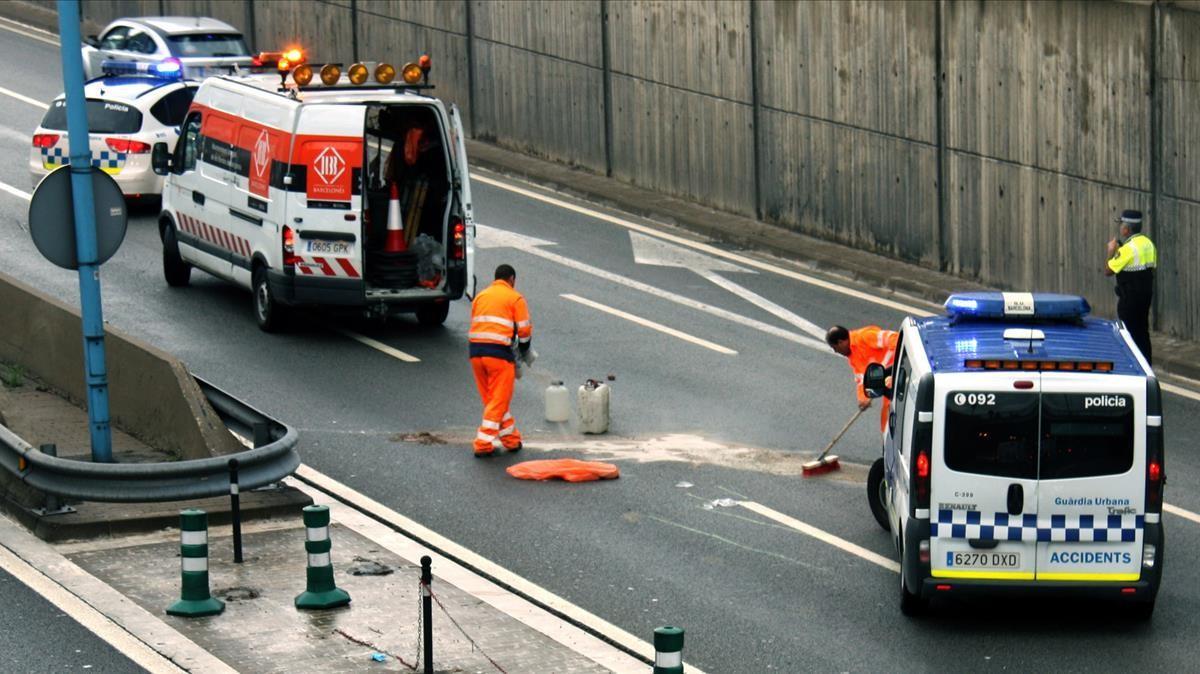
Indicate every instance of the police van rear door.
{"type": "Point", "coordinates": [984, 503]}
{"type": "Point", "coordinates": [1092, 486]}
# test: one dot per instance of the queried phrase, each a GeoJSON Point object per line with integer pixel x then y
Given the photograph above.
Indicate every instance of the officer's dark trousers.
{"type": "Point", "coordinates": [1133, 308]}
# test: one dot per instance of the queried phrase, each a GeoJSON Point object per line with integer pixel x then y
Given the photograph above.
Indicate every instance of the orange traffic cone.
{"type": "Point", "coordinates": [395, 242]}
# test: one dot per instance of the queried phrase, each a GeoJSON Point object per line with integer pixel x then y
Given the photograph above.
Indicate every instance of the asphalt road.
{"type": "Point", "coordinates": [660, 545]}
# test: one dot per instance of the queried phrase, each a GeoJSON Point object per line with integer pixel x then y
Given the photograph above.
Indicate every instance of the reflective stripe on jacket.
{"type": "Point", "coordinates": [869, 345]}
{"type": "Point", "coordinates": [498, 316]}
{"type": "Point", "coordinates": [1137, 254]}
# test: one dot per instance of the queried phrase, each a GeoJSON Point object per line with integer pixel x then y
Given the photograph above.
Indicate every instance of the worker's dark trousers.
{"type": "Point", "coordinates": [1133, 308]}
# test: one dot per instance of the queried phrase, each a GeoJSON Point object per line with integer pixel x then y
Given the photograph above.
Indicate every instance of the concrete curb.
{"type": "Point", "coordinates": [151, 394]}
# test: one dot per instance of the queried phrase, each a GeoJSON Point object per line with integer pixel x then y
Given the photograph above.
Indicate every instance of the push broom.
{"type": "Point", "coordinates": [827, 464]}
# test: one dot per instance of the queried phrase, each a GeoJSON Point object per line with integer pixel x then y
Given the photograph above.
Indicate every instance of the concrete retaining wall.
{"type": "Point", "coordinates": [994, 140]}
{"type": "Point", "coordinates": [151, 394]}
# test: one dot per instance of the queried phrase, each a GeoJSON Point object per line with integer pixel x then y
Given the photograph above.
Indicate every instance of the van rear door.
{"type": "Point", "coordinates": [985, 490]}
{"type": "Point", "coordinates": [463, 180]}
{"type": "Point", "coordinates": [325, 197]}
{"type": "Point", "coordinates": [1092, 485]}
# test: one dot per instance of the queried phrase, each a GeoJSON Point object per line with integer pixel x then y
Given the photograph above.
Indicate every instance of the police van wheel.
{"type": "Point", "coordinates": [177, 272]}
{"type": "Point", "coordinates": [267, 312]}
{"type": "Point", "coordinates": [1142, 611]}
{"type": "Point", "coordinates": [877, 493]}
{"type": "Point", "coordinates": [433, 315]}
{"type": "Point", "coordinates": [911, 605]}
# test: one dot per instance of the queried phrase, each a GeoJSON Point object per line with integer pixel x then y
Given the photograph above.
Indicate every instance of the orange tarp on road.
{"type": "Point", "coordinates": [571, 470]}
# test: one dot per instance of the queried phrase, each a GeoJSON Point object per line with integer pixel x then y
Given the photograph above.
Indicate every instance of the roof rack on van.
{"type": "Point", "coordinates": [413, 76]}
{"type": "Point", "coordinates": [999, 306]}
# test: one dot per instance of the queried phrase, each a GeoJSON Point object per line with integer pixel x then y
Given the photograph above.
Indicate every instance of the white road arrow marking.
{"type": "Point", "coordinates": [653, 251]}
{"type": "Point", "coordinates": [498, 238]}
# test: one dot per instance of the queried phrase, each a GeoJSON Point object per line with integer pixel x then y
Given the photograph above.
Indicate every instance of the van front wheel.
{"type": "Point", "coordinates": [177, 272]}
{"type": "Point", "coordinates": [268, 313]}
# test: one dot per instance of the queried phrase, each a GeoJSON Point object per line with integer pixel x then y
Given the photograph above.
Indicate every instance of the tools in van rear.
{"type": "Point", "coordinates": [392, 264]}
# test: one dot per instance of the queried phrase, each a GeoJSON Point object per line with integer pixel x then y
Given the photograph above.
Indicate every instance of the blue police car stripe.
{"type": "Point", "coordinates": [57, 156]}
{"type": "Point", "coordinates": [971, 524]}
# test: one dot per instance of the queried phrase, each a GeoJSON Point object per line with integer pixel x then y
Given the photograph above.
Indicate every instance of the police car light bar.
{"type": "Point", "coordinates": [1016, 306]}
{"type": "Point", "coordinates": [168, 69]}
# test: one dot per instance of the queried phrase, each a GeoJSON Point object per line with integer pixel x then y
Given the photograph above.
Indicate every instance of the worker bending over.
{"type": "Point", "coordinates": [499, 316]}
{"type": "Point", "coordinates": [863, 347]}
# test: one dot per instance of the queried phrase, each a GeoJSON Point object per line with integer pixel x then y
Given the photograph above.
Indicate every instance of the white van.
{"type": "Point", "coordinates": [284, 185]}
{"type": "Point", "coordinates": [1023, 453]}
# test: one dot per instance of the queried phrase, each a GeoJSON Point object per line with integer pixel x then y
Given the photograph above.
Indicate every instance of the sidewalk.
{"type": "Point", "coordinates": [841, 263]}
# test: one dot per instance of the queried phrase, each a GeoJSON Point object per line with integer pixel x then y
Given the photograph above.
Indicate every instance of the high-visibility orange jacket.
{"type": "Point", "coordinates": [498, 316]}
{"type": "Point", "coordinates": [870, 345]}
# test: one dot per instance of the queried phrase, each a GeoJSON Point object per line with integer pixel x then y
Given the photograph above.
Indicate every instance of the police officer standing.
{"type": "Point", "coordinates": [1133, 258]}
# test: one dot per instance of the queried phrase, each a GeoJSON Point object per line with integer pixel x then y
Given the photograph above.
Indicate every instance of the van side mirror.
{"type": "Point", "coordinates": [160, 159]}
{"type": "Point", "coordinates": [875, 382]}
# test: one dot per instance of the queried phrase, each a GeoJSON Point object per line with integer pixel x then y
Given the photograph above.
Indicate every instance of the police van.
{"type": "Point", "coordinates": [1023, 453]}
{"type": "Point", "coordinates": [324, 187]}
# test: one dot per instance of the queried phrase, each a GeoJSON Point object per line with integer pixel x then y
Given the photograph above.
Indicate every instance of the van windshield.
{"type": "Point", "coordinates": [992, 433]}
{"type": "Point", "coordinates": [1084, 435]}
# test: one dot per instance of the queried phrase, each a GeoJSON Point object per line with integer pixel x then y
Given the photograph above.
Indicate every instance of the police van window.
{"type": "Point", "coordinates": [1085, 435]}
{"type": "Point", "coordinates": [992, 433]}
{"type": "Point", "coordinates": [102, 117]}
{"type": "Point", "coordinates": [115, 38]}
{"type": "Point", "coordinates": [174, 106]}
{"type": "Point", "coordinates": [900, 398]}
{"type": "Point", "coordinates": [189, 143]}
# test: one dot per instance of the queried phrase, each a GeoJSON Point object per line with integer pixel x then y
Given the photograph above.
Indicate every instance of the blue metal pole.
{"type": "Point", "coordinates": [85, 232]}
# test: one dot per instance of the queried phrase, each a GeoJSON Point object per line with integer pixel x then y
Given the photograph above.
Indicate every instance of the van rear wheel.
{"type": "Point", "coordinates": [1142, 611]}
{"type": "Point", "coordinates": [877, 494]}
{"type": "Point", "coordinates": [433, 315]}
{"type": "Point", "coordinates": [177, 272]}
{"type": "Point", "coordinates": [911, 605]}
{"type": "Point", "coordinates": [268, 313]}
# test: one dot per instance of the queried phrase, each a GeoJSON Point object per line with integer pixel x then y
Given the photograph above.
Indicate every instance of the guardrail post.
{"type": "Point", "coordinates": [668, 650]}
{"type": "Point", "coordinates": [52, 506]}
{"type": "Point", "coordinates": [320, 591]}
{"type": "Point", "coordinates": [427, 612]}
{"type": "Point", "coordinates": [235, 510]}
{"type": "Point", "coordinates": [195, 600]}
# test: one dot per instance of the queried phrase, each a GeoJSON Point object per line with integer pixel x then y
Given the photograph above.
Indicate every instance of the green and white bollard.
{"type": "Point", "coordinates": [668, 650]}
{"type": "Point", "coordinates": [321, 591]}
{"type": "Point", "coordinates": [195, 600]}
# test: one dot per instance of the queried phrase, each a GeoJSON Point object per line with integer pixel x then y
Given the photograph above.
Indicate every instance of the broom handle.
{"type": "Point", "coordinates": [842, 432]}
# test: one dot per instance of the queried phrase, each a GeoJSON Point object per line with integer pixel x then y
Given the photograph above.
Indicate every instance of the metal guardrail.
{"type": "Point", "coordinates": [273, 458]}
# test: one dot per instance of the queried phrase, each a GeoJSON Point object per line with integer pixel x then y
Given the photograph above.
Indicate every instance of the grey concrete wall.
{"type": "Point", "coordinates": [994, 140]}
{"type": "Point", "coordinates": [151, 394]}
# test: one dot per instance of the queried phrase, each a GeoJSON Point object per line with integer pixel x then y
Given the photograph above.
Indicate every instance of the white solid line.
{"type": "Point", "coordinates": [380, 346]}
{"type": "Point", "coordinates": [4, 187]}
{"type": "Point", "coordinates": [650, 324]}
{"type": "Point", "coordinates": [91, 619]}
{"type": "Point", "coordinates": [704, 247]}
{"type": "Point", "coordinates": [476, 561]}
{"type": "Point", "coordinates": [24, 99]}
{"type": "Point", "coordinates": [763, 303]}
{"type": "Point", "coordinates": [1179, 390]}
{"type": "Point", "coordinates": [28, 31]}
{"type": "Point", "coordinates": [1180, 512]}
{"type": "Point", "coordinates": [821, 535]}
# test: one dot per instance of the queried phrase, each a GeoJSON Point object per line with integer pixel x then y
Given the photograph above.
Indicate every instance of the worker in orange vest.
{"type": "Point", "coordinates": [499, 316]}
{"type": "Point", "coordinates": [863, 347]}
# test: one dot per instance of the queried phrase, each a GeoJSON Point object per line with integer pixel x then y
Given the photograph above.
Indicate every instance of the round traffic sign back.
{"type": "Point", "coordinates": [52, 217]}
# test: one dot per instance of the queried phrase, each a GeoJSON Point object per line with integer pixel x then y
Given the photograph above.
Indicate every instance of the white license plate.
{"type": "Point", "coordinates": [983, 560]}
{"type": "Point", "coordinates": [329, 247]}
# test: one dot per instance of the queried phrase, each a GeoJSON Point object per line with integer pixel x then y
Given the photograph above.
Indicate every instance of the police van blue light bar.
{"type": "Point", "coordinates": [169, 69]}
{"type": "Point", "coordinates": [1016, 306]}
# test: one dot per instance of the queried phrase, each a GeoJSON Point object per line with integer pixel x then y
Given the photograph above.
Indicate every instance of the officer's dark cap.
{"type": "Point", "coordinates": [1131, 219]}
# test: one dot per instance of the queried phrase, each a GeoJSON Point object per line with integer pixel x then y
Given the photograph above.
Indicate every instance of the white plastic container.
{"type": "Point", "coordinates": [593, 407]}
{"type": "Point", "coordinates": [558, 402]}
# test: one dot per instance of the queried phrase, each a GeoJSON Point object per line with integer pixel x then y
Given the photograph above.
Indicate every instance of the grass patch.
{"type": "Point", "coordinates": [12, 376]}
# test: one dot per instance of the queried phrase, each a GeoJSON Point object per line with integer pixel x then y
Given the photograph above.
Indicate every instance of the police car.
{"type": "Point", "coordinates": [188, 41]}
{"type": "Point", "coordinates": [129, 109]}
{"type": "Point", "coordinates": [347, 188]}
{"type": "Point", "coordinates": [1023, 453]}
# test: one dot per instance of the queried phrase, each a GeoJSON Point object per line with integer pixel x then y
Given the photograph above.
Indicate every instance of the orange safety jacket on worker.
{"type": "Point", "coordinates": [499, 316]}
{"type": "Point", "coordinates": [871, 344]}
